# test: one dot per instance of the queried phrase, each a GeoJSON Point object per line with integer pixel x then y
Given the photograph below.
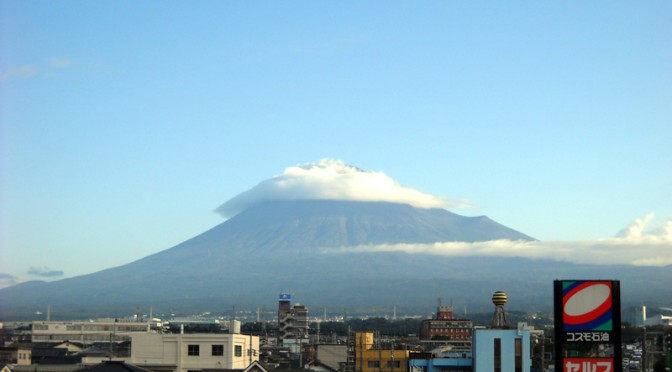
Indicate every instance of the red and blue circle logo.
{"type": "Point", "coordinates": [587, 306]}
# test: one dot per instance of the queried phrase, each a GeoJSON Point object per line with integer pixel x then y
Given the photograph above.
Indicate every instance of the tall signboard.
{"type": "Point", "coordinates": [587, 325]}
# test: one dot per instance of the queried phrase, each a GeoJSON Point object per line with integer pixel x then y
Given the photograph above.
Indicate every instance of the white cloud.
{"type": "Point", "coordinates": [60, 63]}
{"type": "Point", "coordinates": [634, 246]}
{"type": "Point", "coordinates": [32, 70]}
{"type": "Point", "coordinates": [330, 179]}
{"type": "Point", "coordinates": [19, 72]}
{"type": "Point", "coordinates": [636, 229]}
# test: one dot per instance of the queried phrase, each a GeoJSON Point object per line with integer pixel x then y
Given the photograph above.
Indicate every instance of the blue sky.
{"type": "Point", "coordinates": [124, 125]}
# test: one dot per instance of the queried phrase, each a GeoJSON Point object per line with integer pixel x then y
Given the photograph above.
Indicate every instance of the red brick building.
{"type": "Point", "coordinates": [446, 327]}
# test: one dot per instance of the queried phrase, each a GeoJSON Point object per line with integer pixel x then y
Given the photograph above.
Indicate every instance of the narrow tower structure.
{"type": "Point", "coordinates": [499, 318]}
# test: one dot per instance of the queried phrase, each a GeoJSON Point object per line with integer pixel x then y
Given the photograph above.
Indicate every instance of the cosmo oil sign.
{"type": "Point", "coordinates": [588, 325]}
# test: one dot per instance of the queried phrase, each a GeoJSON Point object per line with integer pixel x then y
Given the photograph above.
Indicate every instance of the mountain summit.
{"type": "Point", "coordinates": [330, 179]}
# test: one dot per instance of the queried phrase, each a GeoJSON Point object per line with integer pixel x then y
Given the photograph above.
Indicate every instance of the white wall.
{"type": "Point", "coordinates": [173, 350]}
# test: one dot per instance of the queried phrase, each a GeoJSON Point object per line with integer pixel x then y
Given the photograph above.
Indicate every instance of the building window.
{"type": "Point", "coordinates": [519, 355]}
{"type": "Point", "coordinates": [393, 364]}
{"type": "Point", "coordinates": [217, 350]}
{"type": "Point", "coordinates": [193, 350]}
{"type": "Point", "coordinates": [238, 350]}
{"type": "Point", "coordinates": [498, 355]}
{"type": "Point", "coordinates": [373, 364]}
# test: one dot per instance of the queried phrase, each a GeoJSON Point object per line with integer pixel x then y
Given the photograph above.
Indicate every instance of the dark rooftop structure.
{"type": "Point", "coordinates": [113, 366]}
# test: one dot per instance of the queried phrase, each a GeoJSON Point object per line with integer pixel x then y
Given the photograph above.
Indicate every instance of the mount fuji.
{"type": "Point", "coordinates": [330, 251]}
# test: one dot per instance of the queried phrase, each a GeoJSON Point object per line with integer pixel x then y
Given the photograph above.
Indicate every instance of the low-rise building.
{"type": "Point", "coordinates": [370, 357]}
{"type": "Point", "coordinates": [20, 355]}
{"type": "Point", "coordinates": [445, 326]}
{"type": "Point", "coordinates": [193, 352]}
{"type": "Point", "coordinates": [87, 332]}
{"type": "Point", "coordinates": [498, 350]}
{"type": "Point", "coordinates": [334, 356]}
{"type": "Point", "coordinates": [659, 320]}
{"type": "Point", "coordinates": [428, 362]}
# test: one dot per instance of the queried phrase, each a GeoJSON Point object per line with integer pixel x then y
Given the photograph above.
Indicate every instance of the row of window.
{"type": "Point", "coordinates": [454, 330]}
{"type": "Point", "coordinates": [449, 324]}
{"type": "Point", "coordinates": [82, 337]}
{"type": "Point", "coordinates": [104, 328]}
{"type": "Point", "coordinates": [215, 350]}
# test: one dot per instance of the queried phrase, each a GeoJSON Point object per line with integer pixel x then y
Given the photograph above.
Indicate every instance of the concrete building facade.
{"type": "Point", "coordinates": [502, 350]}
{"type": "Point", "coordinates": [445, 327]}
{"type": "Point", "coordinates": [292, 323]}
{"type": "Point", "coordinates": [87, 332]}
{"type": "Point", "coordinates": [193, 352]}
{"type": "Point", "coordinates": [369, 358]}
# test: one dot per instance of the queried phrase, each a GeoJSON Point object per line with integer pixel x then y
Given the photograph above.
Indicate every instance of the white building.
{"type": "Point", "coordinates": [193, 352]}
{"type": "Point", "coordinates": [658, 320]}
{"type": "Point", "coordinates": [87, 332]}
{"type": "Point", "coordinates": [502, 350]}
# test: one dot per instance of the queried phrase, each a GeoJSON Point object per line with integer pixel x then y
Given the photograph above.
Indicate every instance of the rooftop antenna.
{"type": "Point", "coordinates": [263, 322]}
{"type": "Point", "coordinates": [48, 313]}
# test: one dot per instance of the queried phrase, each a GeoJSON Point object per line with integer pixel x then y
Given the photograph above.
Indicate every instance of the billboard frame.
{"type": "Point", "coordinates": [599, 327]}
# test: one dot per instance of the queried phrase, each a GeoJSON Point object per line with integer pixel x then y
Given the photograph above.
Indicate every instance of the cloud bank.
{"type": "Point", "coordinates": [45, 272]}
{"type": "Point", "coordinates": [330, 179]}
{"type": "Point", "coordinates": [7, 280]}
{"type": "Point", "coordinates": [634, 245]}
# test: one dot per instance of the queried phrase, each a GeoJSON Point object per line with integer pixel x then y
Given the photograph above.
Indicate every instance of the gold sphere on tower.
{"type": "Point", "coordinates": [499, 298]}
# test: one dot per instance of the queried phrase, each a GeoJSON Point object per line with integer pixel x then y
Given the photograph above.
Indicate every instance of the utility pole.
{"type": "Point", "coordinates": [392, 357]}
{"type": "Point", "coordinates": [380, 351]}
{"type": "Point", "coordinates": [351, 364]}
{"type": "Point", "coordinates": [543, 353]}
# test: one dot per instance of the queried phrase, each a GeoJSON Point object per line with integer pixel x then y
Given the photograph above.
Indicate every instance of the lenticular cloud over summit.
{"type": "Point", "coordinates": [330, 179]}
